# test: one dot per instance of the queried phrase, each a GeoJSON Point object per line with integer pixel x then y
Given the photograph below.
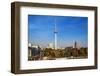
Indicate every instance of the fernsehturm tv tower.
{"type": "Point", "coordinates": [55, 33]}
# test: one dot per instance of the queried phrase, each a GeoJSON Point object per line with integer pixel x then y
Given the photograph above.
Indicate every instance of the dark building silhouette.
{"type": "Point", "coordinates": [75, 45]}
{"type": "Point", "coordinates": [75, 49]}
{"type": "Point", "coordinates": [35, 53]}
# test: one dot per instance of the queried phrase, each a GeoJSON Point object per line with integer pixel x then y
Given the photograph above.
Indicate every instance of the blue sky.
{"type": "Point", "coordinates": [70, 29]}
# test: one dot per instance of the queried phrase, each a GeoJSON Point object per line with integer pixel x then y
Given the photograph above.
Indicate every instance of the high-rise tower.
{"type": "Point", "coordinates": [75, 45]}
{"type": "Point", "coordinates": [55, 34]}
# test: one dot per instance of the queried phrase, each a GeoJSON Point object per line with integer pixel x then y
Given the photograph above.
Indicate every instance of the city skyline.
{"type": "Point", "coordinates": [70, 29]}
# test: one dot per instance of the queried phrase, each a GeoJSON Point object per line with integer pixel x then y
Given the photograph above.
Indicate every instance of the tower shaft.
{"type": "Point", "coordinates": [55, 41]}
{"type": "Point", "coordinates": [55, 33]}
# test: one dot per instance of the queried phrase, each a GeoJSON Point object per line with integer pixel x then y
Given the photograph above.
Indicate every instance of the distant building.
{"type": "Point", "coordinates": [50, 45]}
{"type": "Point", "coordinates": [35, 46]}
{"type": "Point", "coordinates": [29, 52]}
{"type": "Point", "coordinates": [34, 52]}
{"type": "Point", "coordinates": [75, 52]}
{"type": "Point", "coordinates": [29, 45]}
{"type": "Point", "coordinates": [75, 44]}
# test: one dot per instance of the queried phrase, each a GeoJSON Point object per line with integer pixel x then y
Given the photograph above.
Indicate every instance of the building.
{"type": "Point", "coordinates": [50, 45]}
{"type": "Point", "coordinates": [33, 52]}
{"type": "Point", "coordinates": [35, 46]}
{"type": "Point", "coordinates": [29, 44]}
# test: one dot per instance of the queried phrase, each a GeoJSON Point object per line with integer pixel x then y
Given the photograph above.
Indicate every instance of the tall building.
{"type": "Point", "coordinates": [75, 45]}
{"type": "Point", "coordinates": [75, 49]}
{"type": "Point", "coordinates": [55, 34]}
